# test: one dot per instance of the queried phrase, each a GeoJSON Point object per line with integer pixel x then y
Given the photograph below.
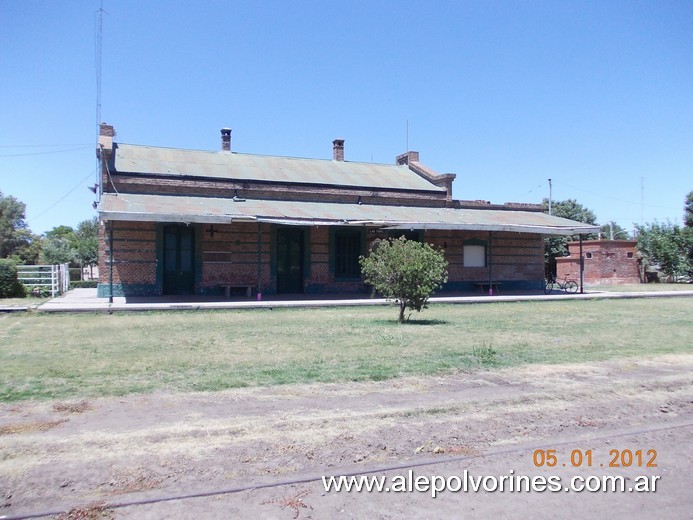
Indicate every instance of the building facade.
{"type": "Point", "coordinates": [605, 262]}
{"type": "Point", "coordinates": [190, 222]}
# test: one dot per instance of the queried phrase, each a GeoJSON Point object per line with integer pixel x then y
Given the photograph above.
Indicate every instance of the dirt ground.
{"type": "Point", "coordinates": [56, 456]}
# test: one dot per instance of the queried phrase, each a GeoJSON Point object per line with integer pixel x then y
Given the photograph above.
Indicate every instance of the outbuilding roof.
{"type": "Point", "coordinates": [170, 208]}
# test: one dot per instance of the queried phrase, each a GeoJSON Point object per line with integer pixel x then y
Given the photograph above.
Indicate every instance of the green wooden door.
{"type": "Point", "coordinates": [289, 260]}
{"type": "Point", "coordinates": [179, 260]}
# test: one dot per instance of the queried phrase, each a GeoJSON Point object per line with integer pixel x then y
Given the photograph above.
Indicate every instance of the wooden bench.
{"type": "Point", "coordinates": [227, 289]}
{"type": "Point", "coordinates": [483, 285]}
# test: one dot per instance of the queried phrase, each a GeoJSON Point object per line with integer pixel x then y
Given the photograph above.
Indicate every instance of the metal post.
{"type": "Point", "coordinates": [110, 262]}
{"type": "Point", "coordinates": [550, 196]}
{"type": "Point", "coordinates": [259, 260]}
{"type": "Point", "coordinates": [490, 266]}
{"type": "Point", "coordinates": [582, 268]}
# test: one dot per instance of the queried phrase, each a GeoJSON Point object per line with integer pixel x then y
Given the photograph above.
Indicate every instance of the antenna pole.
{"type": "Point", "coordinates": [99, 41]}
{"type": "Point", "coordinates": [407, 148]}
{"type": "Point", "coordinates": [642, 200]}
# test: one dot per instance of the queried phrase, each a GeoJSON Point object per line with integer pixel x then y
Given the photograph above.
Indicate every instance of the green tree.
{"type": "Point", "coordinates": [405, 271]}
{"type": "Point", "coordinates": [87, 242]}
{"type": "Point", "coordinates": [61, 232]}
{"type": "Point", "coordinates": [14, 232]}
{"type": "Point", "coordinates": [57, 250]}
{"type": "Point", "coordinates": [666, 247]}
{"type": "Point", "coordinates": [557, 246]}
{"type": "Point", "coordinates": [612, 231]}
{"type": "Point", "coordinates": [688, 210]}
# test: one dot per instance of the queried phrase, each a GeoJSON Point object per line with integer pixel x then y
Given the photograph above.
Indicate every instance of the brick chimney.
{"type": "Point", "coordinates": [106, 134]}
{"type": "Point", "coordinates": [338, 150]}
{"type": "Point", "coordinates": [225, 139]}
{"type": "Point", "coordinates": [407, 158]}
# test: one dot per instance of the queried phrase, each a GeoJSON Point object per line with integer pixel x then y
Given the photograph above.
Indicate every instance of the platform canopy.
{"type": "Point", "coordinates": [208, 210]}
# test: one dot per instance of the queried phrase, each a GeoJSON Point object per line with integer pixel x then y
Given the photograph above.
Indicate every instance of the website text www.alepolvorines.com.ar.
{"type": "Point", "coordinates": [468, 483]}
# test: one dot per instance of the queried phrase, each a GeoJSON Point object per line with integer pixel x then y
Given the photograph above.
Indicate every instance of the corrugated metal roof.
{"type": "Point", "coordinates": [167, 208]}
{"type": "Point", "coordinates": [246, 167]}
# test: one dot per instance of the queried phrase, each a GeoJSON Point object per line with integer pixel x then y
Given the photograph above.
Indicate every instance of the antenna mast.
{"type": "Point", "coordinates": [98, 52]}
{"type": "Point", "coordinates": [642, 199]}
{"type": "Point", "coordinates": [99, 41]}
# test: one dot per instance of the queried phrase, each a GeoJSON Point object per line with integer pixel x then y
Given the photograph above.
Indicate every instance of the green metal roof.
{"type": "Point", "coordinates": [175, 162]}
{"type": "Point", "coordinates": [168, 208]}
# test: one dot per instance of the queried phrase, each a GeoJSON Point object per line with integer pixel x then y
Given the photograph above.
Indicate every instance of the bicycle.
{"type": "Point", "coordinates": [569, 286]}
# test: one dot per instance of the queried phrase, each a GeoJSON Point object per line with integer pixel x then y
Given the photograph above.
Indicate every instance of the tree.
{"type": "Point", "coordinates": [58, 246]}
{"type": "Point", "coordinates": [666, 247]}
{"type": "Point", "coordinates": [14, 232]}
{"type": "Point", "coordinates": [612, 231]}
{"type": "Point", "coordinates": [688, 210]}
{"type": "Point", "coordinates": [557, 246]}
{"type": "Point", "coordinates": [87, 242]}
{"type": "Point", "coordinates": [405, 271]}
{"type": "Point", "coordinates": [57, 250]}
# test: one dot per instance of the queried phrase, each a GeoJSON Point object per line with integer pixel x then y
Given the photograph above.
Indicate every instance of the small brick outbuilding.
{"type": "Point", "coordinates": [606, 262]}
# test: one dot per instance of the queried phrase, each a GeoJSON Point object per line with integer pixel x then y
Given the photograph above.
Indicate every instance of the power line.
{"type": "Point", "coordinates": [44, 153]}
{"type": "Point", "coordinates": [608, 197]}
{"type": "Point", "coordinates": [62, 198]}
{"type": "Point", "coordinates": [42, 145]}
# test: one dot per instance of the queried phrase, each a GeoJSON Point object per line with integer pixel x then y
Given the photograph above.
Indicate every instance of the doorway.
{"type": "Point", "coordinates": [179, 260]}
{"type": "Point", "coordinates": [290, 260]}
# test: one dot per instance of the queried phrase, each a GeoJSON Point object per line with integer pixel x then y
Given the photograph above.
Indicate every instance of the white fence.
{"type": "Point", "coordinates": [55, 278]}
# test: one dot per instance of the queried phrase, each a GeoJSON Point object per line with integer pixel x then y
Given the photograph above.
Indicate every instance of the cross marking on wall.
{"type": "Point", "coordinates": [211, 230]}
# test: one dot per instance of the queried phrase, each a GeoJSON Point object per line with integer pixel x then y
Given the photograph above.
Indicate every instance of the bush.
{"type": "Point", "coordinates": [86, 284]}
{"type": "Point", "coordinates": [9, 284]}
{"type": "Point", "coordinates": [405, 271]}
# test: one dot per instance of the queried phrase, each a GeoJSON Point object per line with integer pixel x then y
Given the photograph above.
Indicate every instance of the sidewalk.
{"type": "Point", "coordinates": [85, 300]}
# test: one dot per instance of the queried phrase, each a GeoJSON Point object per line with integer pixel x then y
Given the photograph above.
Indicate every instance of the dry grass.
{"type": "Point", "coordinates": [94, 511]}
{"type": "Point", "coordinates": [134, 481]}
{"type": "Point", "coordinates": [72, 407]}
{"type": "Point", "coordinates": [294, 502]}
{"type": "Point", "coordinates": [29, 427]}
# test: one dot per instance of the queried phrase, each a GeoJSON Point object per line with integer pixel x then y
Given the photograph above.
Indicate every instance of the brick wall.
{"type": "Point", "coordinates": [227, 254]}
{"type": "Point", "coordinates": [134, 253]}
{"type": "Point", "coordinates": [606, 262]}
{"type": "Point", "coordinates": [226, 188]}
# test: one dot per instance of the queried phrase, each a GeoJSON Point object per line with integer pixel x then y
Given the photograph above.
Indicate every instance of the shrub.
{"type": "Point", "coordinates": [9, 284]}
{"type": "Point", "coordinates": [405, 271]}
{"type": "Point", "coordinates": [85, 284]}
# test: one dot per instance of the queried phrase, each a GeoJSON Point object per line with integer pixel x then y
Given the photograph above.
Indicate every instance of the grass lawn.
{"type": "Point", "coordinates": [86, 355]}
{"type": "Point", "coordinates": [22, 302]}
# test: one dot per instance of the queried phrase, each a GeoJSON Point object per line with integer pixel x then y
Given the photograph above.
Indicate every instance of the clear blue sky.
{"type": "Point", "coordinates": [596, 95]}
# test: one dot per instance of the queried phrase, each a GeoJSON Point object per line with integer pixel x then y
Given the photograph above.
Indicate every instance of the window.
{"type": "Point", "coordinates": [474, 253]}
{"type": "Point", "coordinates": [588, 255]}
{"type": "Point", "coordinates": [347, 249]}
{"type": "Point", "coordinates": [629, 254]}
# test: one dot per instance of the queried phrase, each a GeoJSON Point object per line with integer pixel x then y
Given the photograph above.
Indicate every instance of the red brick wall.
{"type": "Point", "coordinates": [609, 262]}
{"type": "Point", "coordinates": [134, 253]}
{"type": "Point", "coordinates": [227, 254]}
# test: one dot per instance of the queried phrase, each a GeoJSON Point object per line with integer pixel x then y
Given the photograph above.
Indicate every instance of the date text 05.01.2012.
{"type": "Point", "coordinates": [587, 458]}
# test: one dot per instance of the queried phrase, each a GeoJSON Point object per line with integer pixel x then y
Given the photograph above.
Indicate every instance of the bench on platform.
{"type": "Point", "coordinates": [484, 285]}
{"type": "Point", "coordinates": [227, 289]}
